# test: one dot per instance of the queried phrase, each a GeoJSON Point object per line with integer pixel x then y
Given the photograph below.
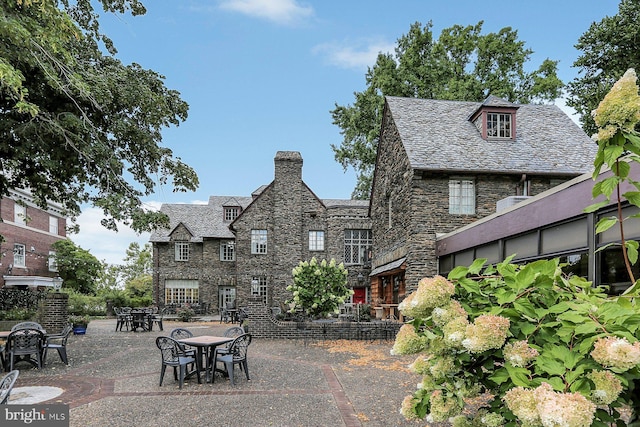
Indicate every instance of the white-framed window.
{"type": "Point", "coordinates": [316, 240]}
{"type": "Point", "coordinates": [227, 251]}
{"type": "Point", "coordinates": [499, 125]}
{"type": "Point", "coordinates": [181, 291]}
{"type": "Point", "coordinates": [462, 197]}
{"type": "Point", "coordinates": [182, 251]}
{"type": "Point", "coordinates": [258, 241]}
{"type": "Point", "coordinates": [231, 212]}
{"type": "Point", "coordinates": [19, 257]}
{"type": "Point", "coordinates": [20, 214]}
{"type": "Point", "coordinates": [259, 287]}
{"type": "Point", "coordinates": [53, 224]}
{"type": "Point", "coordinates": [53, 265]}
{"type": "Point", "coordinates": [356, 246]}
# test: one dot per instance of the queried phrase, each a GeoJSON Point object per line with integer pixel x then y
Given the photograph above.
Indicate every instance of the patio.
{"type": "Point", "coordinates": [113, 379]}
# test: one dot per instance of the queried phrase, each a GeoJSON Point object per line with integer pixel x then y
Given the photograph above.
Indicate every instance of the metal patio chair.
{"type": "Point", "coordinates": [172, 355]}
{"type": "Point", "coordinates": [6, 385]}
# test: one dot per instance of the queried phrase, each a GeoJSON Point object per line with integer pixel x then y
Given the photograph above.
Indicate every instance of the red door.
{"type": "Point", "coordinates": [359, 296]}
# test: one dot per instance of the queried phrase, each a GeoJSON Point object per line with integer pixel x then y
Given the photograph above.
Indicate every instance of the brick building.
{"type": "Point", "coordinates": [28, 232]}
{"type": "Point", "coordinates": [444, 164]}
{"type": "Point", "coordinates": [235, 247]}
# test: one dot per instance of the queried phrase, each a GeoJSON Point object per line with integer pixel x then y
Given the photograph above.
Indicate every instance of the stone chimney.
{"type": "Point", "coordinates": [288, 166]}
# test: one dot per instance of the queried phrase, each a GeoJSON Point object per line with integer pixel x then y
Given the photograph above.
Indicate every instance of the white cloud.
{"type": "Point", "coordinates": [285, 12]}
{"type": "Point", "coordinates": [358, 56]}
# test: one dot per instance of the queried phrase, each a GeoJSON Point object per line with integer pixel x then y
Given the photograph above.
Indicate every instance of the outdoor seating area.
{"type": "Point", "coordinates": [138, 319]}
{"type": "Point", "coordinates": [319, 383]}
{"type": "Point", "coordinates": [28, 343]}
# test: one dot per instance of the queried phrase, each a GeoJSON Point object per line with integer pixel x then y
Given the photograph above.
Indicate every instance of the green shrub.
{"type": "Point", "coordinates": [520, 345]}
{"type": "Point", "coordinates": [185, 313]}
{"type": "Point", "coordinates": [18, 314]}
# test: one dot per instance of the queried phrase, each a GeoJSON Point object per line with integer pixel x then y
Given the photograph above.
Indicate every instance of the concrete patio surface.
{"type": "Point", "coordinates": [113, 380]}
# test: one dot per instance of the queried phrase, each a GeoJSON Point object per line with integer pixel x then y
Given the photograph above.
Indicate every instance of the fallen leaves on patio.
{"type": "Point", "coordinates": [367, 354]}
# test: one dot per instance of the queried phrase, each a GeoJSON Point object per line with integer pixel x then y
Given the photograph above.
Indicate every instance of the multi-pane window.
{"type": "Point", "coordinates": [258, 241]}
{"type": "Point", "coordinates": [181, 291]}
{"type": "Point", "coordinates": [53, 265]}
{"type": "Point", "coordinates": [19, 259]}
{"type": "Point", "coordinates": [259, 288]}
{"type": "Point", "coordinates": [231, 212]}
{"type": "Point", "coordinates": [498, 125]}
{"type": "Point", "coordinates": [462, 197]}
{"type": "Point", "coordinates": [356, 246]}
{"type": "Point", "coordinates": [20, 214]}
{"type": "Point", "coordinates": [182, 251]}
{"type": "Point", "coordinates": [316, 240]}
{"type": "Point", "coordinates": [53, 224]}
{"type": "Point", "coordinates": [227, 251]}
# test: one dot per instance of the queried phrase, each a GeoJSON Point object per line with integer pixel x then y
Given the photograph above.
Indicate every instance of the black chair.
{"type": "Point", "coordinates": [27, 325]}
{"type": "Point", "coordinates": [23, 344]}
{"type": "Point", "coordinates": [122, 318]}
{"type": "Point", "coordinates": [235, 354]}
{"type": "Point", "coordinates": [6, 385]}
{"type": "Point", "coordinates": [57, 342]}
{"type": "Point", "coordinates": [172, 355]}
{"type": "Point", "coordinates": [182, 333]}
{"type": "Point", "coordinates": [157, 318]}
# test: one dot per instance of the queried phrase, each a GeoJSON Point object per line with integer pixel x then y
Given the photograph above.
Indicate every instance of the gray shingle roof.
{"type": "Point", "coordinates": [438, 136]}
{"type": "Point", "coordinates": [202, 220]}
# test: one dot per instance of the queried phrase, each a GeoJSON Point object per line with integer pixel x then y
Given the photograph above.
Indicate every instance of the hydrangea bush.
{"type": "Point", "coordinates": [520, 345]}
{"type": "Point", "coordinates": [318, 287]}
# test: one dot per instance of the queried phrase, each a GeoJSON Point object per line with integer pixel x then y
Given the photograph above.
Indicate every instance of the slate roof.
{"type": "Point", "coordinates": [201, 220]}
{"type": "Point", "coordinates": [437, 135]}
{"type": "Point", "coordinates": [207, 221]}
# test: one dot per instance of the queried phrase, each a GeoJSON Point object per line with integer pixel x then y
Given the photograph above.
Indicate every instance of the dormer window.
{"type": "Point", "coordinates": [496, 119]}
{"type": "Point", "coordinates": [231, 212]}
{"type": "Point", "coordinates": [498, 125]}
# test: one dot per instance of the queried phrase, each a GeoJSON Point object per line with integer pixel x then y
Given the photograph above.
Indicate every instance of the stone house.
{"type": "Point", "coordinates": [28, 231]}
{"type": "Point", "coordinates": [240, 247]}
{"type": "Point", "coordinates": [444, 164]}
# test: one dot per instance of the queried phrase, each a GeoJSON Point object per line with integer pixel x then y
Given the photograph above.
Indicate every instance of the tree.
{"type": "Point", "coordinates": [77, 267]}
{"type": "Point", "coordinates": [462, 64]}
{"type": "Point", "coordinates": [609, 48]}
{"type": "Point", "coordinates": [136, 273]}
{"type": "Point", "coordinates": [78, 126]}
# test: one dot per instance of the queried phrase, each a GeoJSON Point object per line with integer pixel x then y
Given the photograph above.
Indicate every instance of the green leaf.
{"type": "Point", "coordinates": [612, 153]}
{"type": "Point", "coordinates": [632, 250]}
{"type": "Point", "coordinates": [499, 376]}
{"type": "Point", "coordinates": [550, 365]}
{"type": "Point", "coordinates": [586, 328]}
{"type": "Point", "coordinates": [606, 223]}
{"type": "Point", "coordinates": [607, 185]}
{"type": "Point", "coordinates": [556, 383]}
{"type": "Point", "coordinates": [524, 278]}
{"type": "Point", "coordinates": [573, 317]}
{"type": "Point", "coordinates": [596, 206]}
{"type": "Point", "coordinates": [621, 169]}
{"type": "Point", "coordinates": [527, 328]}
{"type": "Point", "coordinates": [477, 265]}
{"type": "Point", "coordinates": [505, 296]}
{"type": "Point", "coordinates": [633, 197]}
{"type": "Point", "coordinates": [470, 286]}
{"type": "Point", "coordinates": [519, 376]}
{"type": "Point", "coordinates": [458, 273]}
{"type": "Point", "coordinates": [523, 305]}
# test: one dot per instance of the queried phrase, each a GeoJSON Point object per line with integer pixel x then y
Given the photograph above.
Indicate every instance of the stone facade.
{"type": "Point", "coordinates": [287, 209]}
{"type": "Point", "coordinates": [410, 195]}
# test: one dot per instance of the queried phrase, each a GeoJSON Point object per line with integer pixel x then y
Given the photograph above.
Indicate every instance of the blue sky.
{"type": "Point", "coordinates": [262, 76]}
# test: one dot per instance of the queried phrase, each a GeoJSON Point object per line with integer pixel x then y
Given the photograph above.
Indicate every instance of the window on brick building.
{"type": "Point", "coordinates": [19, 255]}
{"type": "Point", "coordinates": [53, 265]}
{"type": "Point", "coordinates": [258, 241]}
{"type": "Point", "coordinates": [462, 197]}
{"type": "Point", "coordinates": [316, 240]}
{"type": "Point", "coordinates": [356, 246]}
{"type": "Point", "coordinates": [227, 251]}
{"type": "Point", "coordinates": [182, 251]}
{"type": "Point", "coordinates": [20, 214]}
{"type": "Point", "coordinates": [53, 224]}
{"type": "Point", "coordinates": [499, 125]}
